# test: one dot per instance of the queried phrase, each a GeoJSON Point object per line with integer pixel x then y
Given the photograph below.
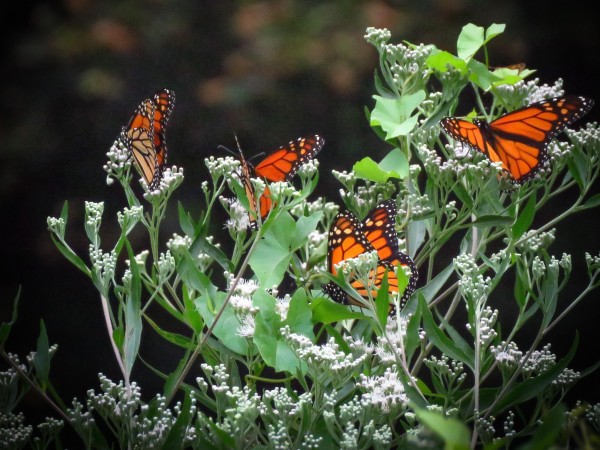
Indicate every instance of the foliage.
{"type": "Point", "coordinates": [269, 362]}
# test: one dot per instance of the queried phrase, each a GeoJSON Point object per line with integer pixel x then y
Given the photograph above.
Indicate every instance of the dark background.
{"type": "Point", "coordinates": [74, 70]}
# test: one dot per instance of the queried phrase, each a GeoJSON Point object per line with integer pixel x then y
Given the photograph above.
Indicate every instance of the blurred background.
{"type": "Point", "coordinates": [73, 72]}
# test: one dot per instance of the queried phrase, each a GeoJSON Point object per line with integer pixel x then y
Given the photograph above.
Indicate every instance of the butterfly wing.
{"type": "Point", "coordinates": [380, 230]}
{"type": "Point", "coordinates": [280, 165]}
{"type": "Point", "coordinates": [139, 135]}
{"type": "Point", "coordinates": [164, 101]}
{"type": "Point", "coordinates": [283, 163]}
{"type": "Point", "coordinates": [146, 135]}
{"type": "Point", "coordinates": [519, 140]}
{"type": "Point", "coordinates": [345, 241]}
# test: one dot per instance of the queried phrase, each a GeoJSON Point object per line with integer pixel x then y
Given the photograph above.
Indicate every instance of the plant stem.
{"type": "Point", "coordinates": [210, 329]}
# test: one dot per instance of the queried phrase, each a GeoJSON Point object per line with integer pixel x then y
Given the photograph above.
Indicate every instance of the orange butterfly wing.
{"type": "Point", "coordinates": [145, 135]}
{"type": "Point", "coordinates": [164, 101]}
{"type": "Point", "coordinates": [284, 162]}
{"type": "Point", "coordinates": [280, 165]}
{"type": "Point", "coordinates": [519, 140]}
{"type": "Point", "coordinates": [345, 241]}
{"type": "Point", "coordinates": [379, 228]}
{"type": "Point", "coordinates": [349, 238]}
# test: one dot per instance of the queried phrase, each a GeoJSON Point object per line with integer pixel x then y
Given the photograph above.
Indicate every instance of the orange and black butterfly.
{"type": "Point", "coordinates": [280, 165]}
{"type": "Point", "coordinates": [349, 238]}
{"type": "Point", "coordinates": [519, 139]}
{"type": "Point", "coordinates": [145, 135]}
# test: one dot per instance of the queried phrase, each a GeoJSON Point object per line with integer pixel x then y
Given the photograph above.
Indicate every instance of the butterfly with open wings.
{"type": "Point", "coordinates": [349, 238]}
{"type": "Point", "coordinates": [519, 139]}
{"type": "Point", "coordinates": [280, 165]}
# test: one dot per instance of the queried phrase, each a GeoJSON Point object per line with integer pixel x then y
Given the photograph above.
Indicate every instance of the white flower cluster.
{"type": "Point", "coordinates": [166, 265]}
{"type": "Point", "coordinates": [450, 371]}
{"type": "Point", "coordinates": [129, 217]}
{"type": "Point", "coordinates": [308, 169]}
{"type": "Point", "coordinates": [485, 426]}
{"type": "Point", "coordinates": [57, 226]}
{"type": "Point", "coordinates": [486, 326]}
{"type": "Point", "coordinates": [119, 160]}
{"type": "Point", "coordinates": [309, 208]}
{"type": "Point", "coordinates": [588, 136]}
{"type": "Point", "coordinates": [387, 350]}
{"type": "Point", "coordinates": [239, 220]}
{"type": "Point", "coordinates": [384, 391]}
{"type": "Point", "coordinates": [93, 214]}
{"type": "Point", "coordinates": [472, 283]}
{"type": "Point", "coordinates": [178, 243]}
{"type": "Point", "coordinates": [539, 361]}
{"type": "Point", "coordinates": [104, 263]}
{"type": "Point", "coordinates": [566, 378]}
{"type": "Point", "coordinates": [507, 354]}
{"type": "Point", "coordinates": [222, 167]}
{"type": "Point", "coordinates": [13, 431]}
{"type": "Point", "coordinates": [327, 357]}
{"type": "Point", "coordinates": [377, 36]}
{"type": "Point", "coordinates": [171, 178]}
{"type": "Point", "coordinates": [533, 240]}
{"type": "Point", "coordinates": [122, 407]}
{"type": "Point", "coordinates": [592, 262]}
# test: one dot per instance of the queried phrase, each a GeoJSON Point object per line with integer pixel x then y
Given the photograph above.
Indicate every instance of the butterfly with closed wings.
{"type": "Point", "coordinates": [519, 139]}
{"type": "Point", "coordinates": [145, 135]}
{"type": "Point", "coordinates": [280, 165]}
{"type": "Point", "coordinates": [349, 238]}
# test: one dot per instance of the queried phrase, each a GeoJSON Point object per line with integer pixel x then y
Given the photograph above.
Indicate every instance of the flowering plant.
{"type": "Point", "coordinates": [267, 367]}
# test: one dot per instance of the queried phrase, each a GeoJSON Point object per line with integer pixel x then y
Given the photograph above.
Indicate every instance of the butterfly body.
{"type": "Point", "coordinates": [519, 140]}
{"type": "Point", "coordinates": [349, 238]}
{"type": "Point", "coordinates": [280, 165]}
{"type": "Point", "coordinates": [145, 135]}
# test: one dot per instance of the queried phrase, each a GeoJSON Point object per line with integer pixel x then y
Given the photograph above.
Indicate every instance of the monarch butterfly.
{"type": "Point", "coordinates": [349, 238]}
{"type": "Point", "coordinates": [280, 165]}
{"type": "Point", "coordinates": [145, 135]}
{"type": "Point", "coordinates": [519, 139]}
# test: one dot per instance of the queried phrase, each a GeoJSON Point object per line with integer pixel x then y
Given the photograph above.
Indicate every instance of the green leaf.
{"type": "Point", "coordinates": [178, 432]}
{"type": "Point", "coordinates": [171, 381]}
{"type": "Point", "coordinates": [545, 435]}
{"type": "Point", "coordinates": [71, 256]}
{"type": "Point", "coordinates": [327, 311]}
{"type": "Point", "coordinates": [226, 328]}
{"type": "Point", "coordinates": [41, 359]}
{"type": "Point", "coordinates": [382, 301]}
{"type": "Point", "coordinates": [133, 315]}
{"type": "Point", "coordinates": [454, 433]}
{"type": "Point", "coordinates": [174, 338]}
{"type": "Point", "coordinates": [274, 350]}
{"type": "Point", "coordinates": [299, 316]}
{"type": "Point", "coordinates": [271, 257]}
{"type": "Point", "coordinates": [481, 76]}
{"type": "Point", "coordinates": [394, 165]}
{"type": "Point", "coordinates": [525, 219]}
{"type": "Point", "coordinates": [591, 202]}
{"type": "Point", "coordinates": [413, 340]}
{"type": "Point", "coordinates": [6, 327]}
{"type": "Point", "coordinates": [472, 38]}
{"type": "Point", "coordinates": [494, 30]}
{"type": "Point", "coordinates": [442, 60]}
{"type": "Point", "coordinates": [469, 41]}
{"type": "Point", "coordinates": [393, 115]}
{"type": "Point", "coordinates": [201, 245]}
{"type": "Point", "coordinates": [492, 220]}
{"type": "Point", "coordinates": [304, 226]}
{"type": "Point", "coordinates": [439, 339]}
